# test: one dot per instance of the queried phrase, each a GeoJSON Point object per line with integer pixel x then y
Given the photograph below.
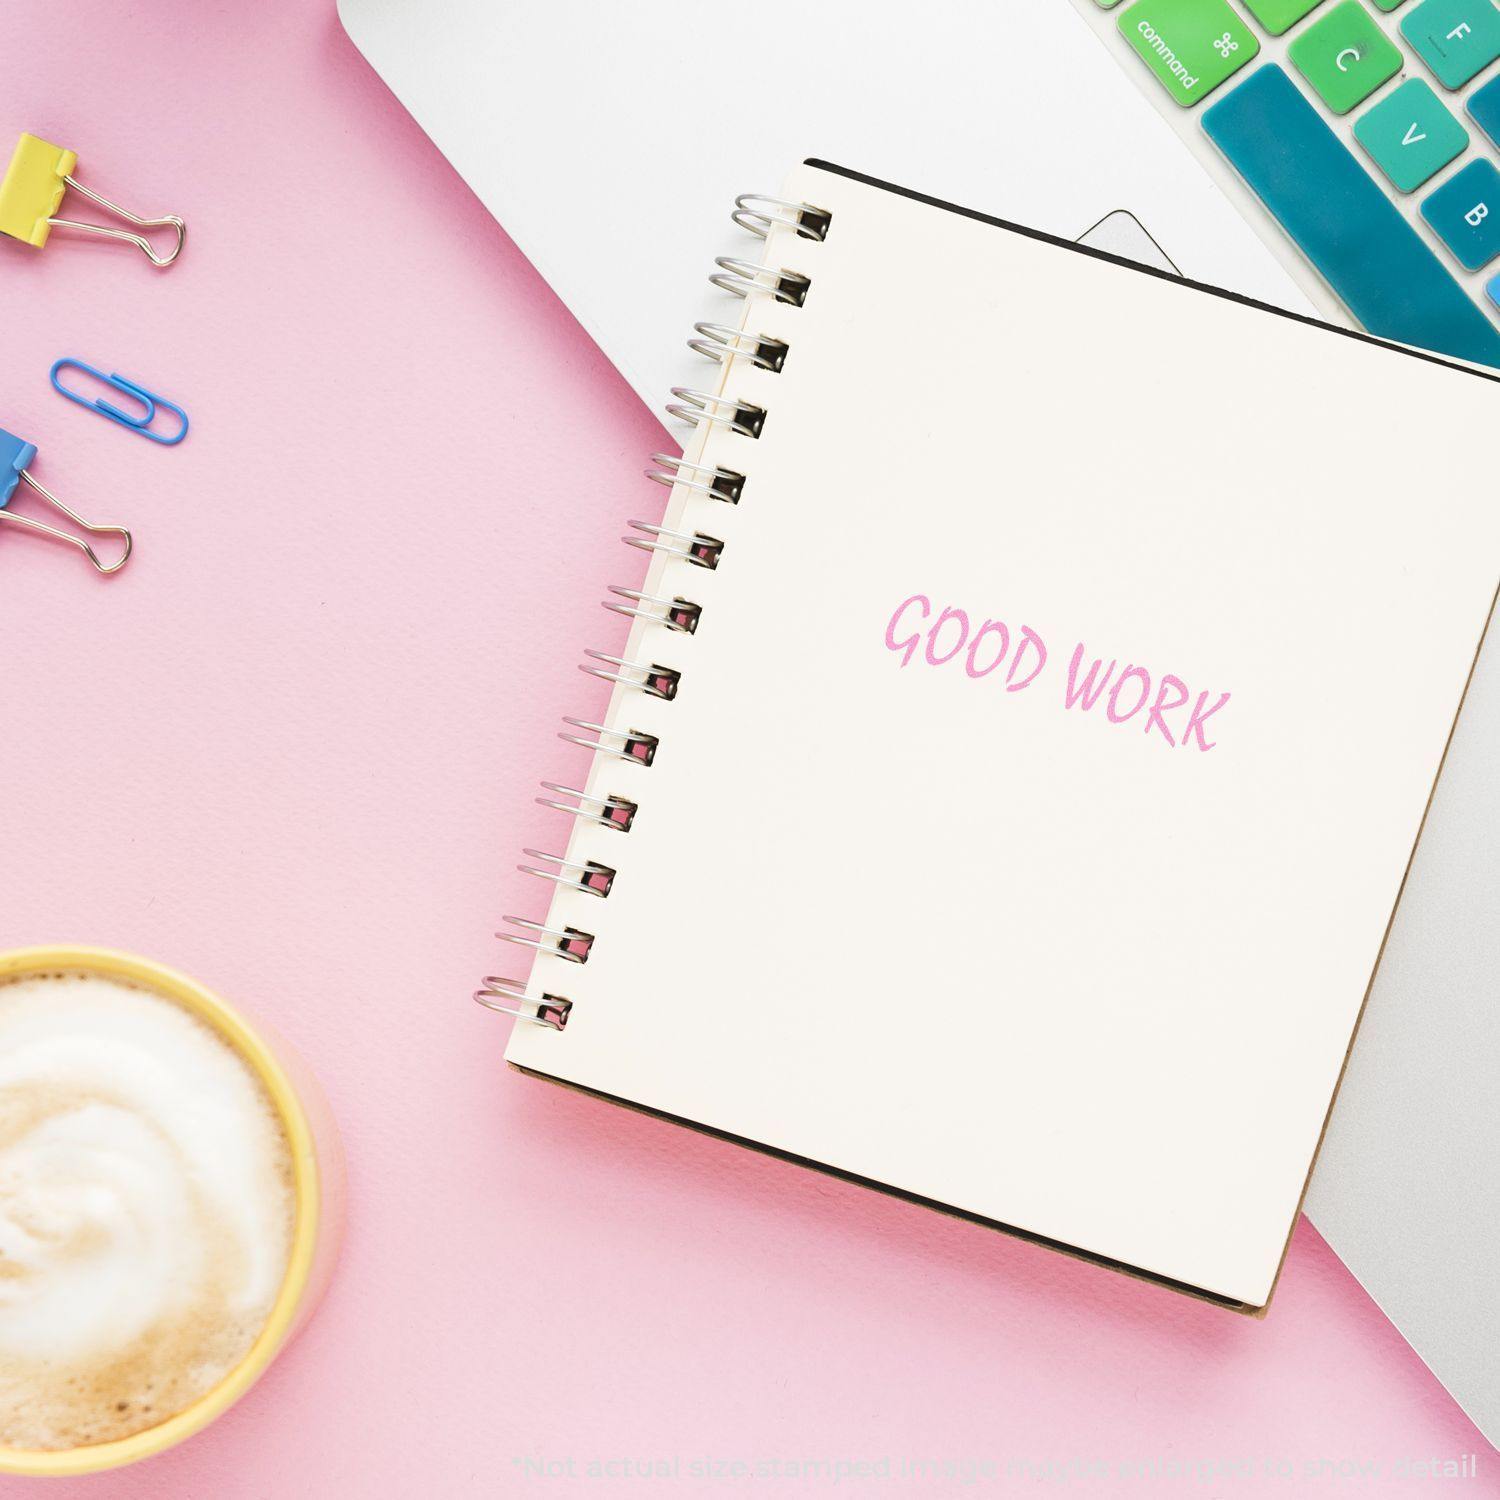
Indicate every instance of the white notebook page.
{"type": "Point", "coordinates": [1088, 972]}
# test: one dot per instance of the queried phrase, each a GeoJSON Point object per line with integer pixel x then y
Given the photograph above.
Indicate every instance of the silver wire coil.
{"type": "Point", "coordinates": [721, 484]}
{"type": "Point", "coordinates": [717, 341]}
{"type": "Point", "coordinates": [677, 614]}
{"type": "Point", "coordinates": [689, 547]}
{"type": "Point", "coordinates": [549, 1010]}
{"type": "Point", "coordinates": [745, 278]}
{"type": "Point", "coordinates": [571, 943]}
{"type": "Point", "coordinates": [698, 407]}
{"type": "Point", "coordinates": [635, 746]}
{"type": "Point", "coordinates": [608, 812]}
{"type": "Point", "coordinates": [656, 680]}
{"type": "Point", "coordinates": [592, 879]}
{"type": "Point", "coordinates": [720, 343]}
{"type": "Point", "coordinates": [759, 214]}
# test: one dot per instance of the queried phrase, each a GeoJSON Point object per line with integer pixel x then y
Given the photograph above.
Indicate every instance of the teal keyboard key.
{"type": "Point", "coordinates": [1378, 265]}
{"type": "Point", "coordinates": [1492, 287]}
{"type": "Point", "coordinates": [1455, 38]}
{"type": "Point", "coordinates": [1484, 109]}
{"type": "Point", "coordinates": [1465, 211]}
{"type": "Point", "coordinates": [1410, 134]}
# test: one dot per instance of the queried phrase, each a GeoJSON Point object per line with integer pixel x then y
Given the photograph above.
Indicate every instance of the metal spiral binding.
{"type": "Point", "coordinates": [608, 812]}
{"type": "Point", "coordinates": [699, 407]}
{"type": "Point", "coordinates": [572, 943]}
{"type": "Point", "coordinates": [696, 548]}
{"type": "Point", "coordinates": [676, 613]}
{"type": "Point", "coordinates": [720, 343]}
{"type": "Point", "coordinates": [759, 215]}
{"type": "Point", "coordinates": [721, 484]}
{"type": "Point", "coordinates": [656, 680]}
{"type": "Point", "coordinates": [587, 876]}
{"type": "Point", "coordinates": [634, 745]}
{"type": "Point", "coordinates": [744, 278]}
{"type": "Point", "coordinates": [547, 1010]}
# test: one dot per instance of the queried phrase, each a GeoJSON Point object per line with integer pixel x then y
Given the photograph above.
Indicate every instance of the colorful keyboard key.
{"type": "Point", "coordinates": [1484, 109]}
{"type": "Point", "coordinates": [1191, 45]}
{"type": "Point", "coordinates": [1378, 264]}
{"type": "Point", "coordinates": [1465, 211]}
{"type": "Point", "coordinates": [1410, 134]}
{"type": "Point", "coordinates": [1492, 290]}
{"type": "Point", "coordinates": [1455, 38]}
{"type": "Point", "coordinates": [1389, 4]}
{"type": "Point", "coordinates": [1280, 15]}
{"type": "Point", "coordinates": [1345, 56]}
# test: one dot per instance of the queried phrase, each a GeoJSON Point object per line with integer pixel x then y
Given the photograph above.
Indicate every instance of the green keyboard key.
{"type": "Point", "coordinates": [1191, 45]}
{"type": "Point", "coordinates": [1456, 38]}
{"type": "Point", "coordinates": [1345, 56]}
{"type": "Point", "coordinates": [1281, 15]}
{"type": "Point", "coordinates": [1410, 134]}
{"type": "Point", "coordinates": [1389, 4]}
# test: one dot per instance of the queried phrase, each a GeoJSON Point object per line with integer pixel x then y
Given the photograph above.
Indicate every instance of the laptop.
{"type": "Point", "coordinates": [1328, 156]}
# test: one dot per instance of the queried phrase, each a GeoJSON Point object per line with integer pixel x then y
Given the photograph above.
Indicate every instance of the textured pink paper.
{"type": "Point", "coordinates": [292, 749]}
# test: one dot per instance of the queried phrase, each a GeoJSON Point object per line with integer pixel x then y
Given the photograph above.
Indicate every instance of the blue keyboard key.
{"type": "Point", "coordinates": [1484, 109]}
{"type": "Point", "coordinates": [1378, 265]}
{"type": "Point", "coordinates": [1465, 211]}
{"type": "Point", "coordinates": [1493, 288]}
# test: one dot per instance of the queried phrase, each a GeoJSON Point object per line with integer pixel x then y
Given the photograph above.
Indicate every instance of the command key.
{"type": "Point", "coordinates": [1191, 45]}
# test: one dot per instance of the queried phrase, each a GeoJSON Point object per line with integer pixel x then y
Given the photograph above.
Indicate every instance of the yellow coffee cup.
{"type": "Point", "coordinates": [318, 1186]}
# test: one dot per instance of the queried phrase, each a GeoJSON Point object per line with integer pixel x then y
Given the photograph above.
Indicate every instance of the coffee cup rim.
{"type": "Point", "coordinates": [251, 1045]}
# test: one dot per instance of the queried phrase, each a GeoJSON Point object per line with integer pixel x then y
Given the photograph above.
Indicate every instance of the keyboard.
{"type": "Point", "coordinates": [1370, 132]}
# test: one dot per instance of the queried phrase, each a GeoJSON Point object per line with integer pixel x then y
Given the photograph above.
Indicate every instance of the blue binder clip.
{"type": "Point", "coordinates": [16, 458]}
{"type": "Point", "coordinates": [129, 389]}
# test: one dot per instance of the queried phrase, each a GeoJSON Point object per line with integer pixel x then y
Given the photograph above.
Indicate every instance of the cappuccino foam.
{"type": "Point", "coordinates": [146, 1210]}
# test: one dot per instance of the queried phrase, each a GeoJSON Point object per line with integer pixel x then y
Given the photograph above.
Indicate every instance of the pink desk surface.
{"type": "Point", "coordinates": [292, 749]}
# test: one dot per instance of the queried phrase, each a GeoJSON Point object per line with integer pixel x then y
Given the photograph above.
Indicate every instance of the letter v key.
{"type": "Point", "coordinates": [1411, 135]}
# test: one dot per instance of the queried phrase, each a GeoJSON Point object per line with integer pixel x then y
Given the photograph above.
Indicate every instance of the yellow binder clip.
{"type": "Point", "coordinates": [31, 192]}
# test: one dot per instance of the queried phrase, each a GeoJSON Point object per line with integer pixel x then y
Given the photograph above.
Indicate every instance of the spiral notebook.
{"type": "Point", "coordinates": [1026, 720]}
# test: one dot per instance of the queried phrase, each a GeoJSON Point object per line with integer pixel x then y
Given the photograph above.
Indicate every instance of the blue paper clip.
{"type": "Point", "coordinates": [140, 424]}
{"type": "Point", "coordinates": [16, 458]}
